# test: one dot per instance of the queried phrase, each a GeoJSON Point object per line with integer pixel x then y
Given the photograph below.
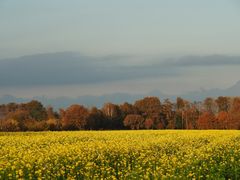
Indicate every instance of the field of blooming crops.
{"type": "Point", "coordinates": [120, 155]}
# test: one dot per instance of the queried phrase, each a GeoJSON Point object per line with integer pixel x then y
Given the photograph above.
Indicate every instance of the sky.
{"type": "Point", "coordinates": [131, 35]}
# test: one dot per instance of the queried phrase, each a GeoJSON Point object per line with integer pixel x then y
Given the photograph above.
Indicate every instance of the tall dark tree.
{"type": "Point", "coordinates": [112, 114]}
{"type": "Point", "coordinates": [181, 106]}
{"type": "Point", "coordinates": [36, 110]}
{"type": "Point", "coordinates": [210, 105]}
{"type": "Point", "coordinates": [223, 103]}
{"type": "Point", "coordinates": [167, 114]}
{"type": "Point", "coordinates": [96, 120]}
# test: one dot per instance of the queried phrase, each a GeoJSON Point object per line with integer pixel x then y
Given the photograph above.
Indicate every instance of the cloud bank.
{"type": "Point", "coordinates": [71, 68]}
{"type": "Point", "coordinates": [68, 68]}
{"type": "Point", "coordinates": [213, 60]}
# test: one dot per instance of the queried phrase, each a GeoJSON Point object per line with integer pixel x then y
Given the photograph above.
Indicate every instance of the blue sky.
{"type": "Point", "coordinates": [141, 31]}
{"type": "Point", "coordinates": [117, 27]}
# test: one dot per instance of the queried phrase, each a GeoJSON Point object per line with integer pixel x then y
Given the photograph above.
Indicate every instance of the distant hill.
{"type": "Point", "coordinates": [69, 68]}
{"type": "Point", "coordinates": [63, 102]}
{"type": "Point", "coordinates": [90, 101]}
{"type": "Point", "coordinates": [200, 95]}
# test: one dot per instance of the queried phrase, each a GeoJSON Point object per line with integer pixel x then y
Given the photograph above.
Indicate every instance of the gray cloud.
{"type": "Point", "coordinates": [71, 68]}
{"type": "Point", "coordinates": [213, 60]}
{"type": "Point", "coordinates": [68, 68]}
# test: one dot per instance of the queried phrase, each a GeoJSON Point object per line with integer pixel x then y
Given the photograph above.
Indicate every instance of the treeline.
{"type": "Point", "coordinates": [147, 113]}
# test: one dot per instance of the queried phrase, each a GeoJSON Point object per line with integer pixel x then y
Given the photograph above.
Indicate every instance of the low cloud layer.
{"type": "Point", "coordinates": [213, 60]}
{"type": "Point", "coordinates": [71, 68]}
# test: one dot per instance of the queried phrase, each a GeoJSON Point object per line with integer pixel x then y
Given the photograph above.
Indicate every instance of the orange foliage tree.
{"type": "Point", "coordinates": [206, 120]}
{"type": "Point", "coordinates": [75, 117]}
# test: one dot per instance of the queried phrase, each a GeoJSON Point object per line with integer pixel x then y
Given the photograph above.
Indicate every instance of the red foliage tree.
{"type": "Point", "coordinates": [235, 114]}
{"type": "Point", "coordinates": [206, 121]}
{"type": "Point", "coordinates": [134, 121]}
{"type": "Point", "coordinates": [223, 120]}
{"type": "Point", "coordinates": [75, 117]}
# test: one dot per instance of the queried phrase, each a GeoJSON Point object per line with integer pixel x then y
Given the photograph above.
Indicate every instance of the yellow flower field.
{"type": "Point", "coordinates": [120, 155]}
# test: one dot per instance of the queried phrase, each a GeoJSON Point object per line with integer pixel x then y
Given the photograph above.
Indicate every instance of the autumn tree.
{"type": "Point", "coordinates": [206, 120]}
{"type": "Point", "coordinates": [134, 121]}
{"type": "Point", "coordinates": [3, 111]}
{"type": "Point", "coordinates": [150, 108]}
{"type": "Point", "coordinates": [148, 123]}
{"type": "Point", "coordinates": [191, 115]}
{"type": "Point", "coordinates": [223, 120]}
{"type": "Point", "coordinates": [223, 103]}
{"type": "Point", "coordinates": [234, 121]}
{"type": "Point", "coordinates": [20, 116]}
{"type": "Point", "coordinates": [127, 109]}
{"type": "Point", "coordinates": [146, 113]}
{"type": "Point", "coordinates": [210, 105]}
{"type": "Point", "coordinates": [51, 114]}
{"type": "Point", "coordinates": [10, 125]}
{"type": "Point", "coordinates": [75, 117]}
{"type": "Point", "coordinates": [12, 107]}
{"type": "Point", "coordinates": [53, 120]}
